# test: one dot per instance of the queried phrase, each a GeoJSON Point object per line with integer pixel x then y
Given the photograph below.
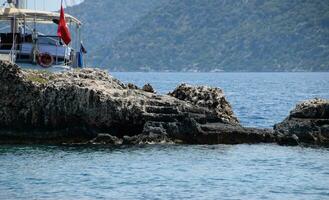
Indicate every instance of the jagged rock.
{"type": "Point", "coordinates": [314, 108]}
{"type": "Point", "coordinates": [210, 98]}
{"type": "Point", "coordinates": [78, 105]}
{"type": "Point", "coordinates": [106, 139]}
{"type": "Point", "coordinates": [147, 139]}
{"type": "Point", "coordinates": [189, 131]}
{"type": "Point", "coordinates": [308, 123]}
{"type": "Point", "coordinates": [132, 86]}
{"type": "Point", "coordinates": [148, 88]}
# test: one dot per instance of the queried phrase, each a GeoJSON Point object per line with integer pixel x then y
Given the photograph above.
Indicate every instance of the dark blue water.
{"type": "Point", "coordinates": [183, 172]}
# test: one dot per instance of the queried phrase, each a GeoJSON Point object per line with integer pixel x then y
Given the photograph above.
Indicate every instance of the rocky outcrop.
{"type": "Point", "coordinates": [106, 139]}
{"type": "Point", "coordinates": [212, 99]}
{"type": "Point", "coordinates": [148, 88]}
{"type": "Point", "coordinates": [90, 106]}
{"type": "Point", "coordinates": [308, 123]}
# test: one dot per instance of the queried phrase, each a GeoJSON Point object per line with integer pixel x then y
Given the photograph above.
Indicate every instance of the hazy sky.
{"type": "Point", "coordinates": [50, 5]}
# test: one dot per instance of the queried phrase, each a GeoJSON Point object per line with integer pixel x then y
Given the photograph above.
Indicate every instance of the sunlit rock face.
{"type": "Point", "coordinates": [81, 105]}
{"type": "Point", "coordinates": [308, 123]}
{"type": "Point", "coordinates": [207, 97]}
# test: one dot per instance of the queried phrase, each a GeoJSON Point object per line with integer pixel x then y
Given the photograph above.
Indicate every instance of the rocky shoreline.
{"type": "Point", "coordinates": [88, 106]}
{"type": "Point", "coordinates": [308, 123]}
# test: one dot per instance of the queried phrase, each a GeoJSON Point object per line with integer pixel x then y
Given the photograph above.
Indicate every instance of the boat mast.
{"type": "Point", "coordinates": [13, 21]}
{"type": "Point", "coordinates": [17, 3]}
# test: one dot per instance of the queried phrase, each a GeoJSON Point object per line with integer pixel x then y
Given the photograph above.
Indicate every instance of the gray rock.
{"type": "Point", "coordinates": [106, 139]}
{"type": "Point", "coordinates": [147, 139]}
{"type": "Point", "coordinates": [132, 86]}
{"type": "Point", "coordinates": [75, 106]}
{"type": "Point", "coordinates": [307, 124]}
{"type": "Point", "coordinates": [206, 97]}
{"type": "Point", "coordinates": [314, 108]}
{"type": "Point", "coordinates": [191, 132]}
{"type": "Point", "coordinates": [148, 88]}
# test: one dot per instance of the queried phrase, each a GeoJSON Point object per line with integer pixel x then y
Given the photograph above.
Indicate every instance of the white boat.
{"type": "Point", "coordinates": [24, 44]}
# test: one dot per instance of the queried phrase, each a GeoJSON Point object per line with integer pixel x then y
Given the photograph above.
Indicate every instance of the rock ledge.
{"type": "Point", "coordinates": [308, 123]}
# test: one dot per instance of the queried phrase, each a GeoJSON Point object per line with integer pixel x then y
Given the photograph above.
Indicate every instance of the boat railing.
{"type": "Point", "coordinates": [24, 52]}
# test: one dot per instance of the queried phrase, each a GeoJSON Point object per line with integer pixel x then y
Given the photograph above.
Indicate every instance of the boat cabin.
{"type": "Point", "coordinates": [26, 39]}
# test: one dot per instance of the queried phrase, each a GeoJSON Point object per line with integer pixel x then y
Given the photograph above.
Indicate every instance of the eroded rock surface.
{"type": "Point", "coordinates": [90, 106]}
{"type": "Point", "coordinates": [104, 138]}
{"type": "Point", "coordinates": [308, 123]}
{"type": "Point", "coordinates": [207, 97]}
{"type": "Point", "coordinates": [148, 88]}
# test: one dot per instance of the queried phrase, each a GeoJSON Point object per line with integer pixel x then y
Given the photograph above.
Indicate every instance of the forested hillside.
{"type": "Point", "coordinates": [208, 35]}
{"type": "Point", "coordinates": [104, 20]}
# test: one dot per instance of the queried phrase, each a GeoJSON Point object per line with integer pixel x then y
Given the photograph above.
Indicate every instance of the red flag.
{"type": "Point", "coordinates": [63, 31]}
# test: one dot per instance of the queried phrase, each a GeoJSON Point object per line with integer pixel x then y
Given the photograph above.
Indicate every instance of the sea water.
{"type": "Point", "coordinates": [264, 171]}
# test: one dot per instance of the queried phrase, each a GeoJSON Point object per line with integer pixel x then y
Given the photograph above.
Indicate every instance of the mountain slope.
{"type": "Point", "coordinates": [228, 35]}
{"type": "Point", "coordinates": [104, 20]}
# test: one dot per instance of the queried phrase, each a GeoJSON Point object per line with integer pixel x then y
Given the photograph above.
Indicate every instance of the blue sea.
{"type": "Point", "coordinates": [264, 171]}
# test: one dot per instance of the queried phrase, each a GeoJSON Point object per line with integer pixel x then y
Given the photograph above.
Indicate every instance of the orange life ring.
{"type": "Point", "coordinates": [45, 60]}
